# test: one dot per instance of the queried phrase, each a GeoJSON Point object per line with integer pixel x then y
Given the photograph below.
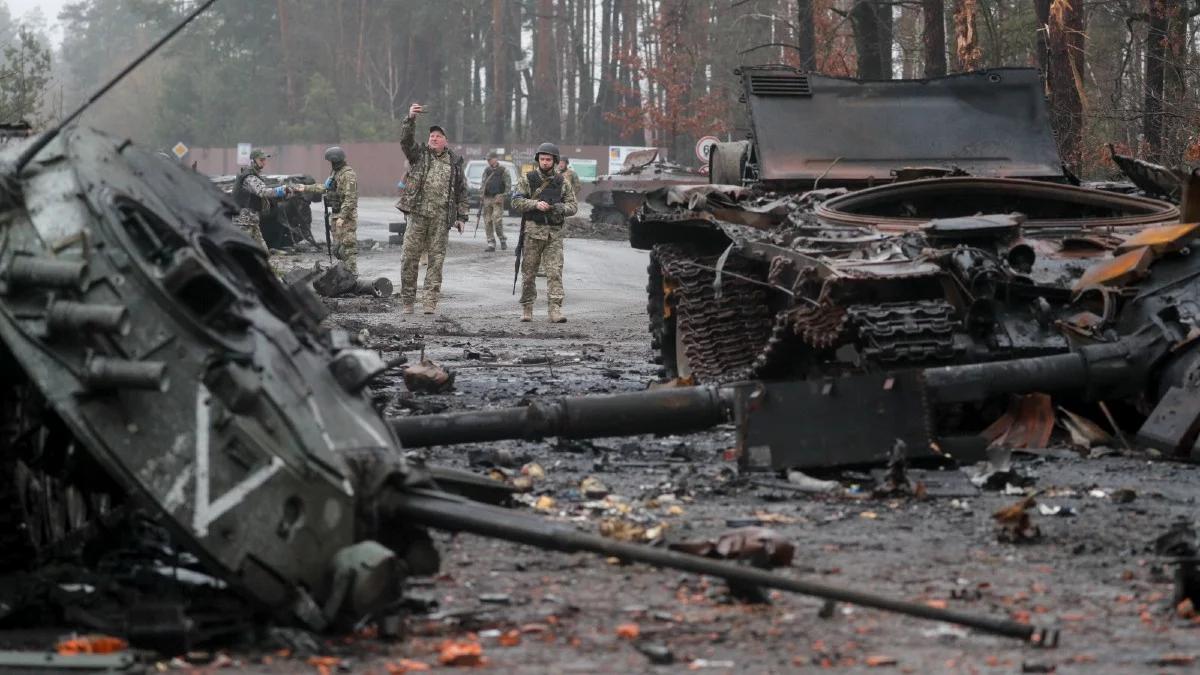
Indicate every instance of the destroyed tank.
{"type": "Point", "coordinates": [615, 197]}
{"type": "Point", "coordinates": [873, 226]}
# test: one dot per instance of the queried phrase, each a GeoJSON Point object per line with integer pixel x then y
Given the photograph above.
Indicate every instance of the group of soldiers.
{"type": "Point", "coordinates": [434, 198]}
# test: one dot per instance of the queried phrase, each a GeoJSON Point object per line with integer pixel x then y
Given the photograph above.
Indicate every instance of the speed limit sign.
{"type": "Point", "coordinates": [704, 147]}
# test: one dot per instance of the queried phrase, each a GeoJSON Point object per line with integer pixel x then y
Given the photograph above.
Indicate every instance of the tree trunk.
{"type": "Point", "coordinates": [543, 102]}
{"type": "Point", "coordinates": [806, 35]}
{"type": "Point", "coordinates": [1174, 72]}
{"type": "Point", "coordinates": [869, 30]}
{"type": "Point", "coordinates": [284, 41]}
{"type": "Point", "coordinates": [1156, 49]}
{"type": "Point", "coordinates": [1065, 83]}
{"type": "Point", "coordinates": [966, 37]}
{"type": "Point", "coordinates": [1041, 13]}
{"type": "Point", "coordinates": [933, 37]}
{"type": "Point", "coordinates": [629, 80]}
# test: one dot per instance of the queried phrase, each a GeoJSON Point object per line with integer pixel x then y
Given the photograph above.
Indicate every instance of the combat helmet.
{"type": "Point", "coordinates": [547, 149]}
{"type": "Point", "coordinates": [335, 155]}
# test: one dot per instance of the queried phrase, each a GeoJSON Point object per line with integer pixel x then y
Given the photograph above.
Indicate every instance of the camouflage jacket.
{"type": "Point", "coordinates": [573, 179]}
{"type": "Point", "coordinates": [524, 201]}
{"type": "Point", "coordinates": [421, 161]}
{"type": "Point", "coordinates": [344, 183]}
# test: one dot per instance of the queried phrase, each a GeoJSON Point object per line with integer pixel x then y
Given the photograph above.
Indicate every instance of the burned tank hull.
{"type": "Point", "coordinates": [615, 197]}
{"type": "Point", "coordinates": [154, 359]}
{"type": "Point", "coordinates": [858, 237]}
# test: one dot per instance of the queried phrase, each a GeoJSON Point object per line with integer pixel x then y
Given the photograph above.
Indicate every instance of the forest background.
{"type": "Point", "coordinates": [631, 72]}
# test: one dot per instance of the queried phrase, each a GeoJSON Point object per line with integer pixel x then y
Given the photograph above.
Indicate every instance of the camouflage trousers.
{"type": "Point", "coordinates": [493, 218]}
{"type": "Point", "coordinates": [345, 244]}
{"type": "Point", "coordinates": [425, 234]}
{"type": "Point", "coordinates": [248, 220]}
{"type": "Point", "coordinates": [548, 254]}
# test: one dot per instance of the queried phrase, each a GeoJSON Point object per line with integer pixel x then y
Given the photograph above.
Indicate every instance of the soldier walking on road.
{"type": "Point", "coordinates": [545, 199]}
{"type": "Point", "coordinates": [435, 200]}
{"type": "Point", "coordinates": [496, 184]}
{"type": "Point", "coordinates": [341, 194]}
{"type": "Point", "coordinates": [253, 198]}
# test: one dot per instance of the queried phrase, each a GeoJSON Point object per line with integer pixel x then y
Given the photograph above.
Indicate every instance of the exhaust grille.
{"type": "Point", "coordinates": [779, 84]}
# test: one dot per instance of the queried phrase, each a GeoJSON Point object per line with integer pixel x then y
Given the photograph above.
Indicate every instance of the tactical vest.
{"type": "Point", "coordinates": [332, 196]}
{"type": "Point", "coordinates": [495, 181]}
{"type": "Point", "coordinates": [243, 197]}
{"type": "Point", "coordinates": [553, 194]}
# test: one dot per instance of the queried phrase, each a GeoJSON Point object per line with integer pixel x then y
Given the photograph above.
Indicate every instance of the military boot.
{"type": "Point", "coordinates": [490, 248]}
{"type": "Point", "coordinates": [526, 312]}
{"type": "Point", "coordinates": [503, 244]}
{"type": "Point", "coordinates": [431, 301]}
{"type": "Point", "coordinates": [409, 308]}
{"type": "Point", "coordinates": [556, 313]}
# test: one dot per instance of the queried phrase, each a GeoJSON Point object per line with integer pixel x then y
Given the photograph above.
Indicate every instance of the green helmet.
{"type": "Point", "coordinates": [335, 155]}
{"type": "Point", "coordinates": [258, 153]}
{"type": "Point", "coordinates": [547, 149]}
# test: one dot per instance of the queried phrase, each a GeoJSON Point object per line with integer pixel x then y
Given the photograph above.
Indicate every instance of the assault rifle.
{"type": "Point", "coordinates": [328, 200]}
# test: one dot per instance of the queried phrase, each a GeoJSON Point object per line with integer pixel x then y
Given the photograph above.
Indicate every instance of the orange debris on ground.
{"type": "Point", "coordinates": [511, 638]}
{"type": "Point", "coordinates": [629, 631]}
{"type": "Point", "coordinates": [324, 664]}
{"type": "Point", "coordinates": [91, 644]}
{"type": "Point", "coordinates": [405, 666]}
{"type": "Point", "coordinates": [461, 654]}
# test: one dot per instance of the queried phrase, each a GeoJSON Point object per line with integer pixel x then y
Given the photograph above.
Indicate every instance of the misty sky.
{"type": "Point", "coordinates": [50, 10]}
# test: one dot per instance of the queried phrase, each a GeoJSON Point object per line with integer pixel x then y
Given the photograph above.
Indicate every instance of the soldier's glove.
{"type": "Point", "coordinates": [459, 225]}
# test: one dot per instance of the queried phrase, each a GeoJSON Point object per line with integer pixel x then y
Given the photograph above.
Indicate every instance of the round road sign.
{"type": "Point", "coordinates": [704, 147]}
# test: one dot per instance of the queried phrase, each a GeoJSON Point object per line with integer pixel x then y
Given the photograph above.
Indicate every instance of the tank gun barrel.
{"type": "Point", "coordinates": [1114, 368]}
{"type": "Point", "coordinates": [659, 411]}
{"type": "Point", "coordinates": [448, 512]}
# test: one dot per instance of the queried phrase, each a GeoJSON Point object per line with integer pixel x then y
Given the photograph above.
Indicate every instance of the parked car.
{"type": "Point", "coordinates": [474, 171]}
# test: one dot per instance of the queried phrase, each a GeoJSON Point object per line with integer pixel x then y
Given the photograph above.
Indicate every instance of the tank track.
{"type": "Point", "coordinates": [898, 333]}
{"type": "Point", "coordinates": [722, 337]}
{"type": "Point", "coordinates": [43, 512]}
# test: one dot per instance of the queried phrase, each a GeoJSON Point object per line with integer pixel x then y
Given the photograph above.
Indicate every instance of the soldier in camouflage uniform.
{"type": "Point", "coordinates": [254, 198]}
{"type": "Point", "coordinates": [564, 167]}
{"type": "Point", "coordinates": [435, 200]}
{"type": "Point", "coordinates": [341, 193]}
{"type": "Point", "coordinates": [496, 184]}
{"type": "Point", "coordinates": [545, 198]}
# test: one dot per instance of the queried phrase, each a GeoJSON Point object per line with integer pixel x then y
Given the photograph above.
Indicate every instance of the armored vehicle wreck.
{"type": "Point", "coordinates": [805, 272]}
{"type": "Point", "coordinates": [615, 197]}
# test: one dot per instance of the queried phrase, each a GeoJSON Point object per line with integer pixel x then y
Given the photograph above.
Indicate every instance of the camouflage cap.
{"type": "Point", "coordinates": [493, 155]}
{"type": "Point", "coordinates": [258, 153]}
{"type": "Point", "coordinates": [438, 128]}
